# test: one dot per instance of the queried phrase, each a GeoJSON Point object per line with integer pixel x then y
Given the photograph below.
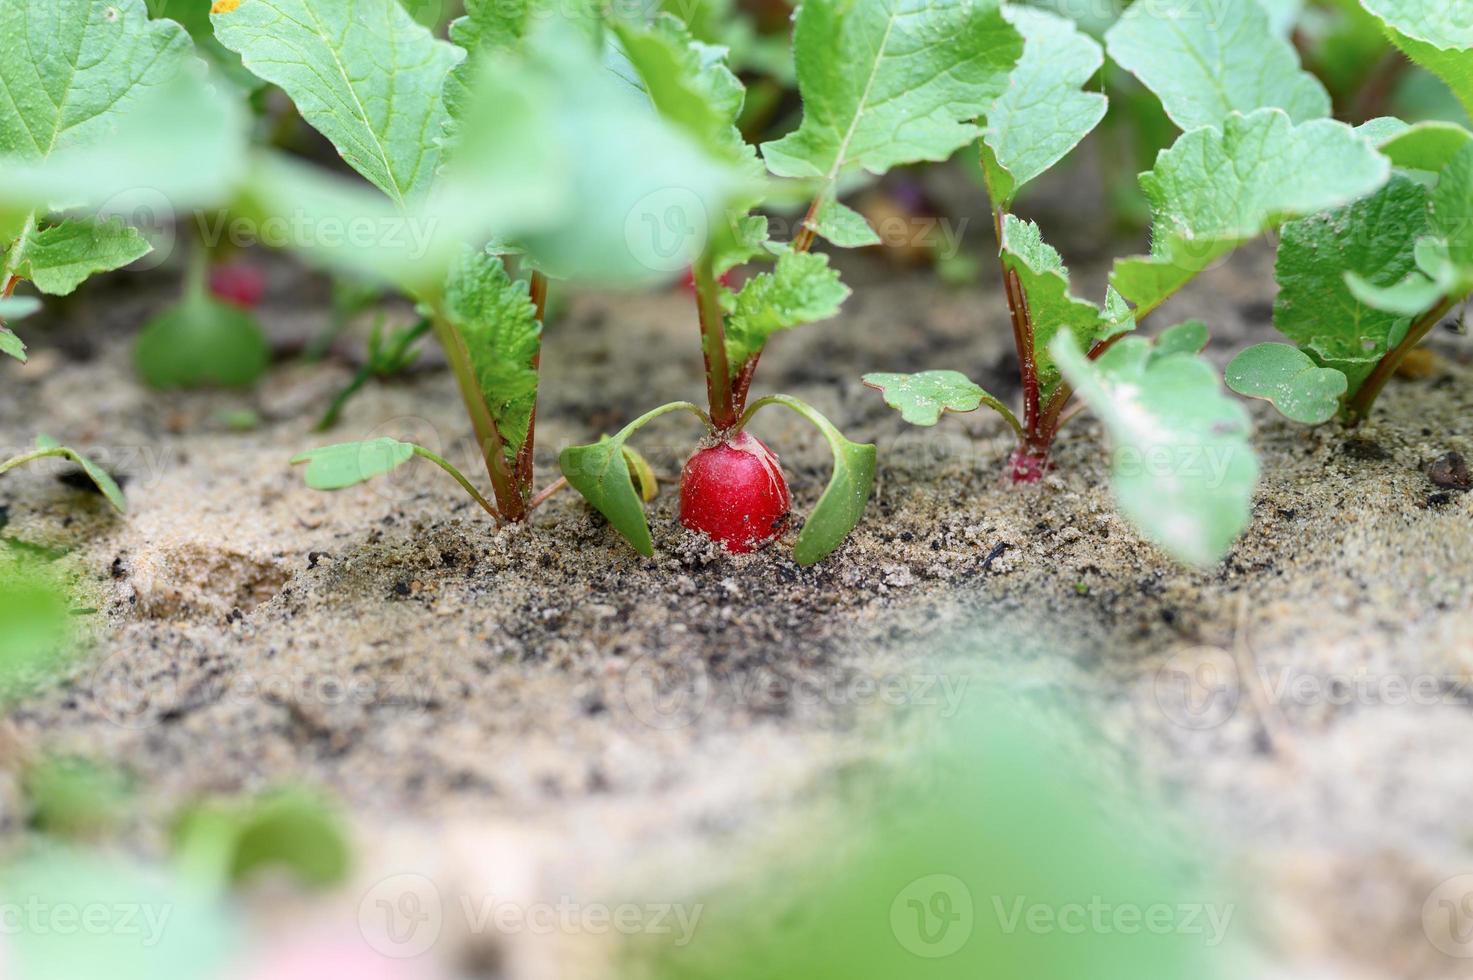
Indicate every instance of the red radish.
{"type": "Point", "coordinates": [734, 493]}
{"type": "Point", "coordinates": [238, 283]}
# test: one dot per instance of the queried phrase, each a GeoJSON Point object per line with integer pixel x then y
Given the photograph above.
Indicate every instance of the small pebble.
{"type": "Point", "coordinates": [1450, 471]}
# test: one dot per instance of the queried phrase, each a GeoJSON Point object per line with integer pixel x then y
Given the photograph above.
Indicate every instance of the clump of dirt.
{"type": "Point", "coordinates": [605, 711]}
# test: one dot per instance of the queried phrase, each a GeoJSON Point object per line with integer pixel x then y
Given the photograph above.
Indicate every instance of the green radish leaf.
{"type": "Point", "coordinates": [737, 242]}
{"type": "Point", "coordinates": [73, 798]}
{"type": "Point", "coordinates": [1374, 238]}
{"type": "Point", "coordinates": [1299, 388]}
{"type": "Point", "coordinates": [71, 68]}
{"type": "Point", "coordinates": [202, 342]}
{"type": "Point", "coordinates": [351, 463]}
{"type": "Point", "coordinates": [1215, 189]}
{"type": "Point", "coordinates": [1443, 257]}
{"type": "Point", "coordinates": [218, 844]}
{"type": "Point", "coordinates": [362, 72]}
{"type": "Point", "coordinates": [1425, 146]}
{"type": "Point", "coordinates": [497, 319]}
{"type": "Point", "coordinates": [1435, 34]}
{"type": "Point", "coordinates": [1283, 15]}
{"type": "Point", "coordinates": [176, 144]}
{"type": "Point", "coordinates": [500, 26]}
{"type": "Point", "coordinates": [47, 446]}
{"type": "Point", "coordinates": [1183, 467]}
{"type": "Point", "coordinates": [842, 505]}
{"type": "Point", "coordinates": [891, 82]}
{"type": "Point", "coordinates": [923, 398]}
{"type": "Point", "coordinates": [194, 16]}
{"type": "Point", "coordinates": [843, 226]}
{"type": "Point", "coordinates": [1042, 115]}
{"type": "Point", "coordinates": [1051, 307]}
{"type": "Point", "coordinates": [1189, 337]}
{"type": "Point", "coordinates": [801, 289]}
{"type": "Point", "coordinates": [15, 308]}
{"type": "Point", "coordinates": [61, 257]}
{"type": "Point", "coordinates": [601, 472]}
{"type": "Point", "coordinates": [691, 86]}
{"type": "Point", "coordinates": [1205, 59]}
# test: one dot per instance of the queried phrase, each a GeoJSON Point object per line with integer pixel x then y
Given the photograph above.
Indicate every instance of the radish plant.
{"type": "Point", "coordinates": [1363, 284]}
{"type": "Point", "coordinates": [1256, 148]}
{"type": "Point", "coordinates": [500, 164]}
{"type": "Point", "coordinates": [85, 80]}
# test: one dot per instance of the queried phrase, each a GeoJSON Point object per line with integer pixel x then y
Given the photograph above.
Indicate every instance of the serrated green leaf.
{"type": "Point", "coordinates": [736, 242]}
{"type": "Point", "coordinates": [843, 226]}
{"type": "Point", "coordinates": [801, 289]}
{"type": "Point", "coordinates": [600, 471]}
{"type": "Point", "coordinates": [1042, 115]}
{"type": "Point", "coordinates": [1374, 238]}
{"type": "Point", "coordinates": [202, 342]}
{"type": "Point", "coordinates": [1299, 388]}
{"type": "Point", "coordinates": [351, 463]}
{"type": "Point", "coordinates": [924, 397]}
{"type": "Point", "coordinates": [1188, 337]}
{"type": "Point", "coordinates": [690, 85]}
{"type": "Point", "coordinates": [59, 258]}
{"type": "Point", "coordinates": [497, 319]}
{"type": "Point", "coordinates": [1207, 58]}
{"type": "Point", "coordinates": [1215, 189]}
{"type": "Point", "coordinates": [99, 477]}
{"type": "Point", "coordinates": [11, 344]}
{"type": "Point", "coordinates": [891, 82]}
{"type": "Point", "coordinates": [1183, 469]}
{"type": "Point", "coordinates": [1051, 307]}
{"type": "Point", "coordinates": [1438, 35]}
{"type": "Point", "coordinates": [841, 507]}
{"type": "Point", "coordinates": [361, 72]}
{"type": "Point", "coordinates": [499, 26]}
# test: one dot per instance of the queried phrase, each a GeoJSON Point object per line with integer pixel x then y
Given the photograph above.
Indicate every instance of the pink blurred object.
{"type": "Point", "coordinates": [238, 283]}
{"type": "Point", "coordinates": [333, 957]}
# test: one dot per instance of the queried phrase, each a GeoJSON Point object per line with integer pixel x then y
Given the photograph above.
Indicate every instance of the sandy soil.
{"type": "Point", "coordinates": [540, 709]}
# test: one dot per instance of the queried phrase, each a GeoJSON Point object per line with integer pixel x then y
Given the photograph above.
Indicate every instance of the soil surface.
{"type": "Point", "coordinates": [538, 711]}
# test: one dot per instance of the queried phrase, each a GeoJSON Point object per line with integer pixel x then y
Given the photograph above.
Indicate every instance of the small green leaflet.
{"type": "Point", "coordinates": [202, 342]}
{"type": "Point", "coordinates": [1042, 115]}
{"type": "Point", "coordinates": [1215, 189]}
{"type": "Point", "coordinates": [1206, 58]}
{"type": "Point", "coordinates": [843, 226]}
{"type": "Point", "coordinates": [1299, 388]}
{"type": "Point", "coordinates": [361, 72]}
{"type": "Point", "coordinates": [801, 289]}
{"type": "Point", "coordinates": [15, 308]}
{"type": "Point", "coordinates": [1183, 469]}
{"type": "Point", "coordinates": [1375, 239]}
{"type": "Point", "coordinates": [888, 82]}
{"type": "Point", "coordinates": [1051, 307]}
{"type": "Point", "coordinates": [1188, 337]}
{"type": "Point", "coordinates": [49, 447]}
{"type": "Point", "coordinates": [842, 505]}
{"type": "Point", "coordinates": [1437, 34]}
{"type": "Point", "coordinates": [600, 472]}
{"type": "Point", "coordinates": [497, 320]}
{"type": "Point", "coordinates": [351, 463]}
{"type": "Point", "coordinates": [924, 397]}
{"type": "Point", "coordinates": [61, 257]}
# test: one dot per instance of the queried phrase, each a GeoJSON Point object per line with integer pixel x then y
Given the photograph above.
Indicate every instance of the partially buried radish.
{"type": "Point", "coordinates": [238, 283]}
{"type": "Point", "coordinates": [734, 493]}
